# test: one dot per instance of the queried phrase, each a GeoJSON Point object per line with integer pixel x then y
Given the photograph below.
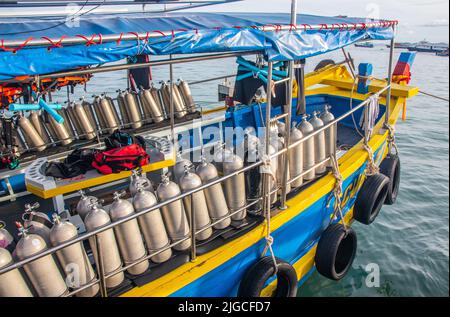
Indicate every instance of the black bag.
{"type": "Point", "coordinates": [121, 139]}
{"type": "Point", "coordinates": [77, 163]}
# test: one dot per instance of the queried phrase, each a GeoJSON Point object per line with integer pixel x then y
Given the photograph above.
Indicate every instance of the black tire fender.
{"type": "Point", "coordinates": [336, 251]}
{"type": "Point", "coordinates": [324, 63]}
{"type": "Point", "coordinates": [390, 167]}
{"type": "Point", "coordinates": [256, 277]}
{"type": "Point", "coordinates": [371, 198]}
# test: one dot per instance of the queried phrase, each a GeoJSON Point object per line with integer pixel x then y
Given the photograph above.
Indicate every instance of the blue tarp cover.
{"type": "Point", "coordinates": [200, 33]}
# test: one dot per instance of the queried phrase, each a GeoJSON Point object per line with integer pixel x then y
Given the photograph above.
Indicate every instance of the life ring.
{"type": "Point", "coordinates": [391, 168]}
{"type": "Point", "coordinates": [336, 251]}
{"type": "Point", "coordinates": [256, 277]}
{"type": "Point", "coordinates": [371, 198]}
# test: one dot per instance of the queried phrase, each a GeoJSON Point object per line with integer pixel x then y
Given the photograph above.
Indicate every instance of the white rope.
{"type": "Point", "coordinates": [266, 168]}
{"type": "Point", "coordinates": [337, 191]}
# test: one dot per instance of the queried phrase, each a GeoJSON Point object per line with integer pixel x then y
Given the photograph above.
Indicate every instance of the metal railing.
{"type": "Point", "coordinates": [193, 232]}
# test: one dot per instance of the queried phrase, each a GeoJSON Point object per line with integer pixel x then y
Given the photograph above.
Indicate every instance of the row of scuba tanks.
{"type": "Point", "coordinates": [157, 230]}
{"type": "Point", "coordinates": [85, 121]}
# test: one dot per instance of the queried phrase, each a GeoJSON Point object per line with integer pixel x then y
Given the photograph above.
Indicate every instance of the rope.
{"type": "Point", "coordinates": [266, 168]}
{"type": "Point", "coordinates": [434, 96]}
{"type": "Point", "coordinates": [337, 190]}
{"type": "Point", "coordinates": [391, 138]}
{"type": "Point", "coordinates": [372, 168]}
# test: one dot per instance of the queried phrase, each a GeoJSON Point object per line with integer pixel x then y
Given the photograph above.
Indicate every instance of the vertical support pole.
{"type": "Point", "coordinates": [171, 107]}
{"type": "Point", "coordinates": [266, 177]}
{"type": "Point", "coordinates": [193, 231]}
{"type": "Point", "coordinates": [390, 70]}
{"type": "Point", "coordinates": [287, 136]}
{"type": "Point", "coordinates": [301, 96]}
{"type": "Point", "coordinates": [101, 268]}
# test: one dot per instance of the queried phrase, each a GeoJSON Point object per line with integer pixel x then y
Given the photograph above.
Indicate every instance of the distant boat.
{"type": "Point", "coordinates": [364, 44]}
{"type": "Point", "coordinates": [404, 45]}
{"type": "Point", "coordinates": [428, 47]}
{"type": "Point", "coordinates": [442, 53]}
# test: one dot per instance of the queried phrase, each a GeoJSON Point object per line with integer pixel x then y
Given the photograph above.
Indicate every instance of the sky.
{"type": "Point", "coordinates": [419, 19]}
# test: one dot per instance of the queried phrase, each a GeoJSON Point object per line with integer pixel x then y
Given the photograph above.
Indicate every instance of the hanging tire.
{"type": "Point", "coordinates": [371, 198]}
{"type": "Point", "coordinates": [324, 63]}
{"type": "Point", "coordinates": [390, 167]}
{"type": "Point", "coordinates": [336, 251]}
{"type": "Point", "coordinates": [256, 278]}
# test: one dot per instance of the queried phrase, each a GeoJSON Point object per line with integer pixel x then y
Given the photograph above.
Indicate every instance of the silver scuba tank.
{"type": "Point", "coordinates": [296, 158]}
{"type": "Point", "coordinates": [180, 167]}
{"type": "Point", "coordinates": [179, 97]}
{"type": "Point", "coordinates": [319, 144]}
{"type": "Point", "coordinates": [235, 187]}
{"type": "Point", "coordinates": [280, 165]}
{"type": "Point", "coordinates": [37, 222]}
{"type": "Point", "coordinates": [83, 205]}
{"type": "Point", "coordinates": [60, 131]}
{"type": "Point", "coordinates": [173, 214]}
{"type": "Point", "coordinates": [138, 180]}
{"type": "Point", "coordinates": [98, 110]}
{"type": "Point", "coordinates": [83, 121]}
{"type": "Point", "coordinates": [98, 218]}
{"type": "Point", "coordinates": [123, 109]}
{"type": "Point", "coordinates": [12, 283]}
{"type": "Point", "coordinates": [308, 148]}
{"type": "Point", "coordinates": [179, 111]}
{"type": "Point", "coordinates": [31, 135]}
{"type": "Point", "coordinates": [331, 133]}
{"type": "Point", "coordinates": [221, 154]}
{"type": "Point", "coordinates": [73, 258]}
{"type": "Point", "coordinates": [157, 97]}
{"type": "Point", "coordinates": [197, 202]}
{"type": "Point", "coordinates": [43, 273]}
{"type": "Point", "coordinates": [128, 235]}
{"type": "Point", "coordinates": [108, 113]}
{"type": "Point", "coordinates": [35, 119]}
{"type": "Point", "coordinates": [150, 106]}
{"type": "Point", "coordinates": [215, 198]}
{"type": "Point", "coordinates": [6, 239]}
{"type": "Point", "coordinates": [273, 183]}
{"type": "Point", "coordinates": [132, 107]}
{"type": "Point", "coordinates": [90, 113]}
{"type": "Point", "coordinates": [187, 95]}
{"type": "Point", "coordinates": [152, 225]}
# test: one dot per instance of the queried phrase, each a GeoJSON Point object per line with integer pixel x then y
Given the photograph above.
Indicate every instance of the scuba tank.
{"type": "Point", "coordinates": [180, 168]}
{"type": "Point", "coordinates": [108, 113]}
{"type": "Point", "coordinates": [235, 187]}
{"type": "Point", "coordinates": [60, 131]}
{"type": "Point", "coordinates": [215, 198]}
{"type": "Point", "coordinates": [73, 258]}
{"type": "Point", "coordinates": [157, 97]}
{"type": "Point", "coordinates": [279, 143]}
{"type": "Point", "coordinates": [138, 180]}
{"type": "Point", "coordinates": [30, 134]}
{"type": "Point", "coordinates": [83, 206]}
{"type": "Point", "coordinates": [296, 158]}
{"type": "Point", "coordinates": [152, 225]}
{"type": "Point", "coordinates": [84, 123]}
{"type": "Point", "coordinates": [330, 133]}
{"type": "Point", "coordinates": [132, 107]}
{"type": "Point", "coordinates": [37, 222]}
{"type": "Point", "coordinates": [102, 127]}
{"type": "Point", "coordinates": [151, 107]}
{"type": "Point", "coordinates": [187, 95]}
{"type": "Point", "coordinates": [128, 235]}
{"type": "Point", "coordinates": [173, 214]}
{"type": "Point", "coordinates": [37, 123]}
{"type": "Point", "coordinates": [12, 283]}
{"type": "Point", "coordinates": [319, 144]}
{"type": "Point", "coordinates": [196, 201]}
{"type": "Point", "coordinates": [253, 179]}
{"type": "Point", "coordinates": [123, 108]}
{"type": "Point", "coordinates": [179, 111]}
{"type": "Point", "coordinates": [98, 218]}
{"type": "Point", "coordinates": [6, 239]}
{"type": "Point", "coordinates": [179, 97]}
{"type": "Point", "coordinates": [221, 153]}
{"type": "Point", "coordinates": [308, 148]}
{"type": "Point", "coordinates": [43, 273]}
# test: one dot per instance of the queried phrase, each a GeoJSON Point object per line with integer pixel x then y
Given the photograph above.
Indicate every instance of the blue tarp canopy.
{"type": "Point", "coordinates": [33, 46]}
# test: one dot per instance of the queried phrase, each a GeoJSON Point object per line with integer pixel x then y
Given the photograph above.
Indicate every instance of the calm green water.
{"type": "Point", "coordinates": [409, 241]}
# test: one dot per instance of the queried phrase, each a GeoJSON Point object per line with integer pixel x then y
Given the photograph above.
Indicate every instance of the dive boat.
{"type": "Point", "coordinates": [245, 199]}
{"type": "Point", "coordinates": [364, 44]}
{"type": "Point", "coordinates": [427, 47]}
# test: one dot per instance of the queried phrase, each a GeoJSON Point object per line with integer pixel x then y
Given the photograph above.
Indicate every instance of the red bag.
{"type": "Point", "coordinates": [125, 158]}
